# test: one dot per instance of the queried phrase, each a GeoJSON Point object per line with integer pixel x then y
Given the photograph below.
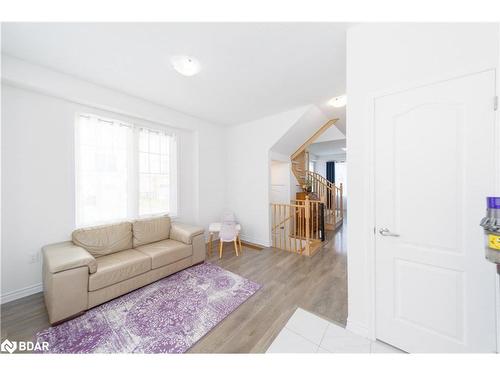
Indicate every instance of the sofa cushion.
{"type": "Point", "coordinates": [116, 267]}
{"type": "Point", "coordinates": [166, 252]}
{"type": "Point", "coordinates": [104, 239]}
{"type": "Point", "coordinates": [150, 230]}
{"type": "Point", "coordinates": [185, 232]}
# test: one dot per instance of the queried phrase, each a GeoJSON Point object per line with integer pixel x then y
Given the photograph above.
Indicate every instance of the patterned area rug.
{"type": "Point", "coordinates": [168, 316]}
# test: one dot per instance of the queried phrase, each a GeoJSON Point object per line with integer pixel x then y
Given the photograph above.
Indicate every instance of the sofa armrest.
{"type": "Point", "coordinates": [65, 256]}
{"type": "Point", "coordinates": [199, 248]}
{"type": "Point", "coordinates": [185, 232]}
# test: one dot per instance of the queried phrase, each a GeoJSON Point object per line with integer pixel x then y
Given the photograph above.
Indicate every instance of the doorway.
{"type": "Point", "coordinates": [435, 292]}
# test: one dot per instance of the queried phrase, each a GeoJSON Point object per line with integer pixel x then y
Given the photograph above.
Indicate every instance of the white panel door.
{"type": "Point", "coordinates": [434, 166]}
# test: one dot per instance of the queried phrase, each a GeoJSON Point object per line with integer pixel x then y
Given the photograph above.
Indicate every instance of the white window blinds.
{"type": "Point", "coordinates": [122, 171]}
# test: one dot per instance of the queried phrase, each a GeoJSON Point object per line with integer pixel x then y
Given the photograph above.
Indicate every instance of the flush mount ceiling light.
{"type": "Point", "coordinates": [186, 65]}
{"type": "Point", "coordinates": [338, 101]}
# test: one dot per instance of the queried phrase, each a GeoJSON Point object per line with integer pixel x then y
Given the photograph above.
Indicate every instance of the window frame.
{"type": "Point", "coordinates": [133, 174]}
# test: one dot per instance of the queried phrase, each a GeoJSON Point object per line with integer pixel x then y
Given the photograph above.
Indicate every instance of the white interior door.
{"type": "Point", "coordinates": [434, 166]}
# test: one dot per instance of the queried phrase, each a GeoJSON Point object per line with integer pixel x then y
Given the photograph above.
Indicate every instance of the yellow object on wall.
{"type": "Point", "coordinates": [494, 241]}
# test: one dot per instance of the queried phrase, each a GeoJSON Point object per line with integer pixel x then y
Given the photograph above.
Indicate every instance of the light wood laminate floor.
{"type": "Point", "coordinates": [317, 284]}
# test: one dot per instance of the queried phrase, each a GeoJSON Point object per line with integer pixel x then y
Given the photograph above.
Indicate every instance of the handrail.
{"type": "Point", "coordinates": [329, 193]}
{"type": "Point", "coordinates": [303, 200]}
{"type": "Point", "coordinates": [300, 158]}
{"type": "Point", "coordinates": [313, 137]}
{"type": "Point", "coordinates": [296, 227]}
{"type": "Point", "coordinates": [323, 180]}
{"type": "Point", "coordinates": [284, 221]}
{"type": "Point", "coordinates": [286, 232]}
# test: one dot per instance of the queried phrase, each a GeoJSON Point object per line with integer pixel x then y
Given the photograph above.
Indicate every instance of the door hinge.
{"type": "Point", "coordinates": [495, 103]}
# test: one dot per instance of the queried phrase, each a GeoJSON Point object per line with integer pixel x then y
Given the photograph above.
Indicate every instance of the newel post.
{"type": "Point", "coordinates": [307, 215]}
{"type": "Point", "coordinates": [334, 199]}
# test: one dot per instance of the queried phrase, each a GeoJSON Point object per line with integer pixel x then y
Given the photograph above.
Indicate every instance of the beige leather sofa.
{"type": "Point", "coordinates": [104, 262]}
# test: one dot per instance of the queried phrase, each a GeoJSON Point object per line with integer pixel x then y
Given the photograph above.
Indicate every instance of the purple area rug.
{"type": "Point", "coordinates": [168, 316]}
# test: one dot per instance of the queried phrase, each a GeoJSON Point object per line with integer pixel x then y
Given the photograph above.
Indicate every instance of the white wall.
{"type": "Point", "coordinates": [280, 182]}
{"type": "Point", "coordinates": [293, 184]}
{"type": "Point", "coordinates": [321, 167]}
{"type": "Point", "coordinates": [248, 148]}
{"type": "Point", "coordinates": [340, 172]}
{"type": "Point", "coordinates": [38, 202]}
{"type": "Point", "coordinates": [301, 131]}
{"type": "Point", "coordinates": [498, 192]}
{"type": "Point", "coordinates": [1, 172]}
{"type": "Point", "coordinates": [382, 58]}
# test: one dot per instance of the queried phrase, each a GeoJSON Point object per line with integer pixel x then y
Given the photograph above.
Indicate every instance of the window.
{"type": "Point", "coordinates": [154, 172]}
{"type": "Point", "coordinates": [123, 171]}
{"type": "Point", "coordinates": [341, 175]}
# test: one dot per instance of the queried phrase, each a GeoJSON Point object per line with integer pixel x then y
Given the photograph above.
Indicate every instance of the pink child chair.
{"type": "Point", "coordinates": [229, 231]}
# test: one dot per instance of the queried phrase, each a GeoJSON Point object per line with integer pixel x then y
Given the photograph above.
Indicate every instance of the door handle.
{"type": "Point", "coordinates": [387, 232]}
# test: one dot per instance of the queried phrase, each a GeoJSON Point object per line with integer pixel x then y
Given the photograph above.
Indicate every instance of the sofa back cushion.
{"type": "Point", "coordinates": [104, 239]}
{"type": "Point", "coordinates": [151, 230]}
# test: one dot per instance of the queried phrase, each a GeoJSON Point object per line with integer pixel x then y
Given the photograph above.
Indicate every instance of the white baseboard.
{"type": "Point", "coordinates": [357, 328]}
{"type": "Point", "coordinates": [255, 241]}
{"type": "Point", "coordinates": [20, 293]}
{"type": "Point", "coordinates": [248, 239]}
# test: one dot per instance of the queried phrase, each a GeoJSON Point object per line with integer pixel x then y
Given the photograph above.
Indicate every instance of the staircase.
{"type": "Point", "coordinates": [300, 158]}
{"type": "Point", "coordinates": [331, 196]}
{"type": "Point", "coordinates": [295, 228]}
{"type": "Point", "coordinates": [298, 226]}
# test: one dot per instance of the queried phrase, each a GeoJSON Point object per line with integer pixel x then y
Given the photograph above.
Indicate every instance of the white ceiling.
{"type": "Point", "coordinates": [249, 70]}
{"type": "Point", "coordinates": [329, 148]}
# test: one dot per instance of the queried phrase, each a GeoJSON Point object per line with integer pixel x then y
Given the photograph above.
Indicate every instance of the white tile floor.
{"type": "Point", "coordinates": [308, 333]}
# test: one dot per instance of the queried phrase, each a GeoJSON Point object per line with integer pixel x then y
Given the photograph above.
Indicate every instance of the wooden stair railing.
{"type": "Point", "coordinates": [295, 226]}
{"type": "Point", "coordinates": [299, 167]}
{"type": "Point", "coordinates": [331, 195]}
{"type": "Point", "coordinates": [300, 158]}
{"type": "Point", "coordinates": [299, 226]}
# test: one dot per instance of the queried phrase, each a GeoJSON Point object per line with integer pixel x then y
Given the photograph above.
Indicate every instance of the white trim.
{"type": "Point", "coordinates": [248, 239]}
{"type": "Point", "coordinates": [358, 328]}
{"type": "Point", "coordinates": [372, 223]}
{"type": "Point", "coordinates": [497, 184]}
{"type": "Point", "coordinates": [268, 201]}
{"type": "Point", "coordinates": [20, 293]}
{"type": "Point", "coordinates": [370, 209]}
{"type": "Point", "coordinates": [435, 79]}
{"type": "Point", "coordinates": [255, 241]}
